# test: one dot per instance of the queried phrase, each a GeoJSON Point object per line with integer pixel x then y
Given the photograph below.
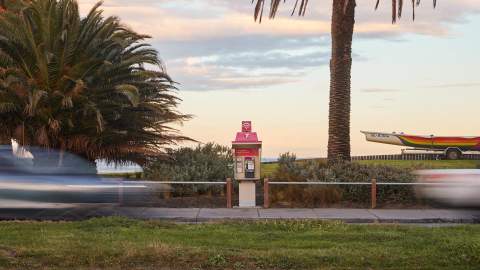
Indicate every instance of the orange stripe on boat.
{"type": "Point", "coordinates": [442, 141]}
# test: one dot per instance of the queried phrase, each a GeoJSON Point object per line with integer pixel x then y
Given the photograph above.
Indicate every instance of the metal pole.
{"type": "Point", "coordinates": [266, 194]}
{"type": "Point", "coordinates": [374, 193]}
{"type": "Point", "coordinates": [229, 193]}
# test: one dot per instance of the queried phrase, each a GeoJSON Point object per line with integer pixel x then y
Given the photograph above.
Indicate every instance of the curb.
{"type": "Point", "coordinates": [77, 215]}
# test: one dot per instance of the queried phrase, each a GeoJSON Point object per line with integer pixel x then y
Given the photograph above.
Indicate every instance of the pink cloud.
{"type": "Point", "coordinates": [176, 20]}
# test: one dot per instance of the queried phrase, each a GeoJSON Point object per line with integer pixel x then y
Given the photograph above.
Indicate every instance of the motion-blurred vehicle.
{"type": "Point", "coordinates": [456, 188]}
{"type": "Point", "coordinates": [49, 176]}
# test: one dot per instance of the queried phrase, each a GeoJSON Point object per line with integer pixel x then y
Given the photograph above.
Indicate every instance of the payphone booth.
{"type": "Point", "coordinates": [247, 151]}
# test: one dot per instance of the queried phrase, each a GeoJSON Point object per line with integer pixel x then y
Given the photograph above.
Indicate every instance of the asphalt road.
{"type": "Point", "coordinates": [61, 212]}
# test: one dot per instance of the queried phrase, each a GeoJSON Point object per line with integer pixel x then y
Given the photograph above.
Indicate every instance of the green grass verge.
{"type": "Point", "coordinates": [118, 243]}
{"type": "Point", "coordinates": [268, 169]}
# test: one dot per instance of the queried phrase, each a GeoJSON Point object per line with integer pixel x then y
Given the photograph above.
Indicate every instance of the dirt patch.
{"type": "Point", "coordinates": [7, 252]}
{"type": "Point", "coordinates": [200, 201]}
{"type": "Point", "coordinates": [350, 205]}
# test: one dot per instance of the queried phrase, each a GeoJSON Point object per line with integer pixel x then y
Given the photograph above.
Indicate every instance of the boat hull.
{"type": "Point", "coordinates": [427, 142]}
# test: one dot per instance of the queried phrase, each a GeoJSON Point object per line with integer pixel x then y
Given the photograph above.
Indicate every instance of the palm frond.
{"type": "Point", "coordinates": [7, 107]}
{"type": "Point", "coordinates": [300, 8]}
{"type": "Point", "coordinates": [131, 92]}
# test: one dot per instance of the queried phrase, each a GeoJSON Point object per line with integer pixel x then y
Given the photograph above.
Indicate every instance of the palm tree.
{"type": "Point", "coordinates": [343, 22]}
{"type": "Point", "coordinates": [86, 85]}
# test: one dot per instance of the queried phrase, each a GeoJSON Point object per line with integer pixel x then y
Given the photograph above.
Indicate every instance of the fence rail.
{"type": "Point", "coordinates": [181, 182]}
{"type": "Point", "coordinates": [413, 156]}
{"type": "Point", "coordinates": [404, 156]}
{"type": "Point", "coordinates": [320, 183]}
{"type": "Point", "coordinates": [228, 186]}
{"type": "Point", "coordinates": [363, 183]}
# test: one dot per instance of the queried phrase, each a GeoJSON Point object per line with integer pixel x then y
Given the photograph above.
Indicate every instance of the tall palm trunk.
{"type": "Point", "coordinates": [343, 21]}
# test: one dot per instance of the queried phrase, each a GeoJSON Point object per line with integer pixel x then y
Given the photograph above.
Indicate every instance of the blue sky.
{"type": "Point", "coordinates": [416, 77]}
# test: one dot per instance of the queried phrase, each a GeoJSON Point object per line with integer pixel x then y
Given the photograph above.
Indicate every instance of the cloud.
{"type": "Point", "coordinates": [215, 44]}
{"type": "Point", "coordinates": [244, 44]}
{"type": "Point", "coordinates": [233, 81]}
{"type": "Point", "coordinates": [270, 60]}
{"type": "Point", "coordinates": [195, 75]}
{"type": "Point", "coordinates": [379, 90]}
{"type": "Point", "coordinates": [455, 85]}
{"type": "Point", "coordinates": [378, 107]}
{"type": "Point", "coordinates": [206, 19]}
{"type": "Point", "coordinates": [234, 63]}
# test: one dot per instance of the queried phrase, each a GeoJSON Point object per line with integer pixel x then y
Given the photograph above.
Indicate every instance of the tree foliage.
{"type": "Point", "coordinates": [209, 162]}
{"type": "Point", "coordinates": [300, 7]}
{"type": "Point", "coordinates": [88, 85]}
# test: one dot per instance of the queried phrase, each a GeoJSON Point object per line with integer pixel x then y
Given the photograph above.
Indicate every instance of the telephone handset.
{"type": "Point", "coordinates": [249, 167]}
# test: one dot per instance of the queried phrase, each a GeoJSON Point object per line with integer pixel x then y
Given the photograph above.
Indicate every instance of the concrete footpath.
{"type": "Point", "coordinates": [208, 214]}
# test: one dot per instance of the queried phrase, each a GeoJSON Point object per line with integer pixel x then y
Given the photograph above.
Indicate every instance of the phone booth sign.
{"type": "Point", "coordinates": [247, 151]}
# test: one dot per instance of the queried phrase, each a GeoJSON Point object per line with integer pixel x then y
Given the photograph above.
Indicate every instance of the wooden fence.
{"type": "Point", "coordinates": [373, 187]}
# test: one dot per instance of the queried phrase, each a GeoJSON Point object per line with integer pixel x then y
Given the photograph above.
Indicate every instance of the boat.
{"type": "Point", "coordinates": [453, 147]}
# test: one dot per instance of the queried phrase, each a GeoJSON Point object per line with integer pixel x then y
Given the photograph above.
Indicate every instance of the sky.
{"type": "Point", "coordinates": [415, 77]}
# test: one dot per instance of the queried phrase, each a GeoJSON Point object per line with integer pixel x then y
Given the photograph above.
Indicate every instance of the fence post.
{"type": "Point", "coordinates": [374, 193]}
{"type": "Point", "coordinates": [120, 193]}
{"type": "Point", "coordinates": [229, 192]}
{"type": "Point", "coordinates": [266, 194]}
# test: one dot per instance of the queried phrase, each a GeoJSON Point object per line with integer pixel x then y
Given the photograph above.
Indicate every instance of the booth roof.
{"type": "Point", "coordinates": [246, 137]}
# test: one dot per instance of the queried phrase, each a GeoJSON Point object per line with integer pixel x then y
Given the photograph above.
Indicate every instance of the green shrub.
{"type": "Point", "coordinates": [208, 162]}
{"type": "Point", "coordinates": [217, 260]}
{"type": "Point", "coordinates": [290, 169]}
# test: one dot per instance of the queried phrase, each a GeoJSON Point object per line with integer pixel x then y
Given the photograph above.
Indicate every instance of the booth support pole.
{"type": "Point", "coordinates": [229, 192]}
{"type": "Point", "coordinates": [266, 194]}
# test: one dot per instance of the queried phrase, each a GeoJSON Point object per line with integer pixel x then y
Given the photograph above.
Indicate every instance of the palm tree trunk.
{"type": "Point", "coordinates": [343, 21]}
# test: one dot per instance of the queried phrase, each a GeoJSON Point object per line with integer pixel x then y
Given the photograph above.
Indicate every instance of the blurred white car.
{"type": "Point", "coordinates": [458, 188]}
{"type": "Point", "coordinates": [41, 178]}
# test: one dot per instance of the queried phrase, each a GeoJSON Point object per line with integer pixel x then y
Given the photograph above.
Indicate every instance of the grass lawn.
{"type": "Point", "coordinates": [118, 243]}
{"type": "Point", "coordinates": [268, 169]}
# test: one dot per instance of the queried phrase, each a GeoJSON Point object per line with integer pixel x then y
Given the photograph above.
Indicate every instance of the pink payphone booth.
{"type": "Point", "coordinates": [247, 151]}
